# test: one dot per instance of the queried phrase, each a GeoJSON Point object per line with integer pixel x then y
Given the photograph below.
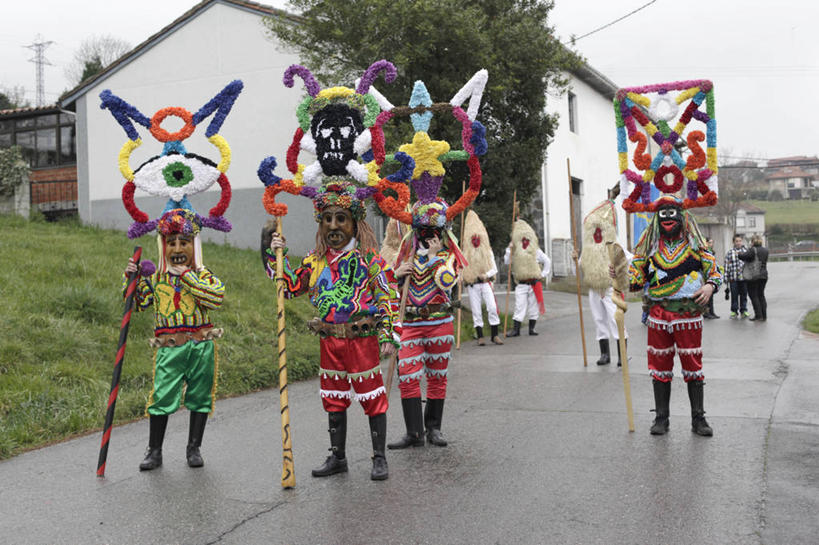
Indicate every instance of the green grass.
{"type": "Point", "coordinates": [60, 311]}
{"type": "Point", "coordinates": [789, 212]}
{"type": "Point", "coordinates": [811, 321]}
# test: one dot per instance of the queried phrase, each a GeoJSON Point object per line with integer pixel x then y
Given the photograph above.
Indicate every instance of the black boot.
{"type": "Point", "coordinates": [414, 422]}
{"type": "Point", "coordinates": [479, 333]}
{"type": "Point", "coordinates": [532, 327]}
{"type": "Point", "coordinates": [337, 461]}
{"type": "Point", "coordinates": [433, 414]}
{"type": "Point", "coordinates": [195, 433]}
{"type": "Point", "coordinates": [515, 332]}
{"type": "Point", "coordinates": [605, 354]}
{"type": "Point", "coordinates": [619, 355]}
{"type": "Point", "coordinates": [495, 337]}
{"type": "Point", "coordinates": [153, 457]}
{"type": "Point", "coordinates": [698, 423]}
{"type": "Point", "coordinates": [378, 431]}
{"type": "Point", "coordinates": [662, 398]}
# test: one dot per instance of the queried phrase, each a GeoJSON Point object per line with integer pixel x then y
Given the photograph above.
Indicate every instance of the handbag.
{"type": "Point", "coordinates": [752, 269]}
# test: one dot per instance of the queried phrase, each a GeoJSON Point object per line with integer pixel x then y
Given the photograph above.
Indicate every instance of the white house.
{"type": "Point", "coordinates": [186, 64]}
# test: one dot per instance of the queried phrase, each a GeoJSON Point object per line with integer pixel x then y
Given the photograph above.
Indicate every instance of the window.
{"type": "Point", "coordinates": [572, 112]}
{"type": "Point", "coordinates": [751, 221]}
{"type": "Point", "coordinates": [46, 140]}
{"type": "Point", "coordinates": [740, 221]}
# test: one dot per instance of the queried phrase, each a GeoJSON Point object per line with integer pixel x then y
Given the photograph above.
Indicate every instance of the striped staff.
{"type": "Point", "coordinates": [123, 337]}
{"type": "Point", "coordinates": [288, 471]}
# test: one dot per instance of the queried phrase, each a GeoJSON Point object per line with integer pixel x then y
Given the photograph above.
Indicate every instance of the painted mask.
{"type": "Point", "coordinates": [670, 219]}
{"type": "Point", "coordinates": [336, 226]}
{"type": "Point", "coordinates": [334, 130]}
{"type": "Point", "coordinates": [179, 250]}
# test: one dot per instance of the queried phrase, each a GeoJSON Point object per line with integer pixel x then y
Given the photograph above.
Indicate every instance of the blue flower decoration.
{"type": "Point", "coordinates": [478, 139]}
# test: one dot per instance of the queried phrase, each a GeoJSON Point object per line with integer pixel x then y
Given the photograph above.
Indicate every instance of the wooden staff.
{"type": "Point", "coordinates": [460, 279]}
{"type": "Point", "coordinates": [123, 338]}
{"type": "Point", "coordinates": [509, 270]}
{"type": "Point", "coordinates": [401, 310]}
{"type": "Point", "coordinates": [620, 284]}
{"type": "Point", "coordinates": [576, 267]}
{"type": "Point", "coordinates": [288, 471]}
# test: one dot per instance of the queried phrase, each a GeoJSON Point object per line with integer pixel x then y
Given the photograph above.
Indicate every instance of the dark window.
{"type": "Point", "coordinates": [47, 147]}
{"type": "Point", "coordinates": [68, 145]}
{"type": "Point", "coordinates": [572, 112]}
{"type": "Point", "coordinates": [6, 126]}
{"type": "Point", "coordinates": [46, 120]}
{"type": "Point", "coordinates": [5, 140]}
{"type": "Point", "coordinates": [27, 148]}
{"type": "Point", "coordinates": [24, 123]}
{"type": "Point", "coordinates": [52, 143]}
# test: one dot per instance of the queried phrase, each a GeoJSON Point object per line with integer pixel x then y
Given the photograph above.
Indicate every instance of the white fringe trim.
{"type": "Point", "coordinates": [436, 372]}
{"type": "Point", "coordinates": [423, 358]}
{"type": "Point", "coordinates": [339, 394]}
{"type": "Point", "coordinates": [693, 374]}
{"type": "Point", "coordinates": [661, 374]}
{"type": "Point", "coordinates": [660, 351]}
{"type": "Point", "coordinates": [675, 325]}
{"type": "Point", "coordinates": [441, 339]}
{"type": "Point", "coordinates": [412, 376]}
{"type": "Point", "coordinates": [697, 350]}
{"type": "Point", "coordinates": [372, 394]}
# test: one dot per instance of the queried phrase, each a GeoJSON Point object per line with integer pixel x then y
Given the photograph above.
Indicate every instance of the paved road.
{"type": "Point", "coordinates": [539, 453]}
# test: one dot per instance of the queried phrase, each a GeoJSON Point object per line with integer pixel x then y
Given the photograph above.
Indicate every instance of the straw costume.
{"type": "Point", "coordinates": [599, 229]}
{"type": "Point", "coordinates": [181, 290]}
{"type": "Point", "coordinates": [478, 276]}
{"type": "Point", "coordinates": [429, 258]}
{"type": "Point", "coordinates": [671, 260]}
{"type": "Point", "coordinates": [344, 276]}
{"type": "Point", "coordinates": [529, 266]}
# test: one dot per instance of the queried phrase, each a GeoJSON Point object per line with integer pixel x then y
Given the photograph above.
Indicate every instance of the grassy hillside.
{"type": "Point", "coordinates": [788, 212]}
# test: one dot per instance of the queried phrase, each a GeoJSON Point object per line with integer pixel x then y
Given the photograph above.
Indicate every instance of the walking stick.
{"type": "Point", "coordinates": [620, 284]}
{"type": "Point", "coordinates": [460, 281]}
{"type": "Point", "coordinates": [401, 310]}
{"type": "Point", "coordinates": [509, 270]}
{"type": "Point", "coordinates": [123, 338]}
{"type": "Point", "coordinates": [288, 471]}
{"type": "Point", "coordinates": [576, 268]}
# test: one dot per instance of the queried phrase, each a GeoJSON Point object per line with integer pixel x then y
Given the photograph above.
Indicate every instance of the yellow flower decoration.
{"type": "Point", "coordinates": [298, 178]}
{"type": "Point", "coordinates": [224, 151]}
{"type": "Point", "coordinates": [335, 92]}
{"type": "Point", "coordinates": [372, 173]}
{"type": "Point", "coordinates": [425, 152]}
{"type": "Point", "coordinates": [125, 155]}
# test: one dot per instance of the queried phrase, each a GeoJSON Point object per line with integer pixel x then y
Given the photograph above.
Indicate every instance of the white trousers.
{"type": "Point", "coordinates": [603, 309]}
{"type": "Point", "coordinates": [482, 293]}
{"type": "Point", "coordinates": [525, 303]}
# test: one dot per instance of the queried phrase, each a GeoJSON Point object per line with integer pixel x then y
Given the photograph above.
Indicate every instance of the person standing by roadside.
{"type": "Point", "coordinates": [733, 275]}
{"type": "Point", "coordinates": [755, 272]}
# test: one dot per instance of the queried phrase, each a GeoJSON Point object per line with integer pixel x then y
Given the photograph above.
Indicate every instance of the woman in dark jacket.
{"type": "Point", "coordinates": [756, 276]}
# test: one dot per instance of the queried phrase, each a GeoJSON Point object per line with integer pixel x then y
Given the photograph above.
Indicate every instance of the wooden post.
{"type": "Point", "coordinates": [509, 270]}
{"type": "Point", "coordinates": [288, 470]}
{"type": "Point", "coordinates": [619, 284]}
{"type": "Point", "coordinates": [576, 267]}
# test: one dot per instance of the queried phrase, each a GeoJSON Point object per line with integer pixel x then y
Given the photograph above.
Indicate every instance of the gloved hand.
{"type": "Point", "coordinates": [727, 293]}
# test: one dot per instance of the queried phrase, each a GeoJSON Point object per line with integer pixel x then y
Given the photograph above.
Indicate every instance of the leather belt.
{"type": "Point", "coordinates": [165, 340]}
{"type": "Point", "coordinates": [427, 310]}
{"type": "Point", "coordinates": [360, 328]}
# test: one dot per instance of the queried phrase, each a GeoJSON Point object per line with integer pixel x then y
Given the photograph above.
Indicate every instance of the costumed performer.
{"type": "Point", "coordinates": [530, 265]}
{"type": "Point", "coordinates": [478, 276]}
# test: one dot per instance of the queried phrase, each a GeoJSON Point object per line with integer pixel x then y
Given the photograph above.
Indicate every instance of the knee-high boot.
{"type": "Point", "coordinates": [662, 399]}
{"type": "Point", "coordinates": [415, 425]}
{"type": "Point", "coordinates": [532, 327]}
{"type": "Point", "coordinates": [337, 461]}
{"type": "Point", "coordinates": [515, 331]}
{"type": "Point", "coordinates": [698, 423]}
{"type": "Point", "coordinates": [619, 355]}
{"type": "Point", "coordinates": [433, 415]}
{"type": "Point", "coordinates": [153, 457]}
{"type": "Point", "coordinates": [605, 354]}
{"type": "Point", "coordinates": [378, 431]}
{"type": "Point", "coordinates": [196, 431]}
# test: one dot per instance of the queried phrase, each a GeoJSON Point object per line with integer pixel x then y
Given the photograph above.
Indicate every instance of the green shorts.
{"type": "Point", "coordinates": [192, 365]}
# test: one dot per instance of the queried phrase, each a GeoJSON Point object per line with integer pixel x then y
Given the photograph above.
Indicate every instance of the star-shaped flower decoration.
{"type": "Point", "coordinates": [425, 152]}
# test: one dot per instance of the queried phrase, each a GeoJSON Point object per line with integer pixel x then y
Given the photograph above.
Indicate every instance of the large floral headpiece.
{"type": "Point", "coordinates": [174, 173]}
{"type": "Point", "coordinates": [429, 155]}
{"type": "Point", "coordinates": [179, 221]}
{"type": "Point", "coordinates": [343, 194]}
{"type": "Point", "coordinates": [653, 107]}
{"type": "Point", "coordinates": [334, 125]}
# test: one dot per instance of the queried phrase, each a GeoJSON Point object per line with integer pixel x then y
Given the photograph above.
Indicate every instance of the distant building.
{"type": "Point", "coordinates": [792, 177]}
{"type": "Point", "coordinates": [46, 136]}
{"type": "Point", "coordinates": [750, 221]}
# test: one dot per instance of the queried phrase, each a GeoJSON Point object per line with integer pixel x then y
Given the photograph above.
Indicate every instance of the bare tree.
{"type": "Point", "coordinates": [13, 97]}
{"type": "Point", "coordinates": [736, 180]}
{"type": "Point", "coordinates": [94, 55]}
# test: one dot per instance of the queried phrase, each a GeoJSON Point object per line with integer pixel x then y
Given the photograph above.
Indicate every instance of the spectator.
{"type": "Point", "coordinates": [710, 314]}
{"type": "Point", "coordinates": [736, 284]}
{"type": "Point", "coordinates": [755, 273]}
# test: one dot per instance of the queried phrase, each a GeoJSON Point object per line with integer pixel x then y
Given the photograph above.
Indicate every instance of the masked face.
{"type": "Point", "coordinates": [179, 250]}
{"type": "Point", "coordinates": [524, 242]}
{"type": "Point", "coordinates": [426, 233]}
{"type": "Point", "coordinates": [336, 226]}
{"type": "Point", "coordinates": [598, 235]}
{"type": "Point", "coordinates": [334, 129]}
{"type": "Point", "coordinates": [670, 219]}
{"type": "Point", "coordinates": [476, 241]}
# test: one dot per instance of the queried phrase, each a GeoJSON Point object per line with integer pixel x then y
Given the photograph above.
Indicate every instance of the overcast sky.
{"type": "Point", "coordinates": [763, 57]}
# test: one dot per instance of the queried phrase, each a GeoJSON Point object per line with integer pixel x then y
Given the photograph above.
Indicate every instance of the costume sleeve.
{"type": "Point", "coordinates": [491, 272]}
{"type": "Point", "coordinates": [208, 290]}
{"type": "Point", "coordinates": [545, 261]}
{"type": "Point", "coordinates": [507, 255]}
{"type": "Point", "coordinates": [638, 272]}
{"type": "Point", "coordinates": [385, 296]}
{"type": "Point", "coordinates": [710, 268]}
{"type": "Point", "coordinates": [446, 272]}
{"type": "Point", "coordinates": [143, 295]}
{"type": "Point", "coordinates": [297, 281]}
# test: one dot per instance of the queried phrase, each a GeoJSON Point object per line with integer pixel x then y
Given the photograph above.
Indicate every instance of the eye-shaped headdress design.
{"type": "Point", "coordinates": [174, 173]}
{"type": "Point", "coordinates": [662, 102]}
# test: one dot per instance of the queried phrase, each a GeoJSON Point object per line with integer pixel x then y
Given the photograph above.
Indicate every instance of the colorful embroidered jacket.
{"type": "Point", "coordinates": [674, 271]}
{"type": "Point", "coordinates": [181, 303]}
{"type": "Point", "coordinates": [343, 286]}
{"type": "Point", "coordinates": [431, 281]}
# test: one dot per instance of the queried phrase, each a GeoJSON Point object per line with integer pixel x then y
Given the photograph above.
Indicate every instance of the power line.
{"type": "Point", "coordinates": [629, 14]}
{"type": "Point", "coordinates": [39, 47]}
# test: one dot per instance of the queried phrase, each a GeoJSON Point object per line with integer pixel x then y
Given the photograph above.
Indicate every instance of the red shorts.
{"type": "Point", "coordinates": [424, 351]}
{"type": "Point", "coordinates": [356, 362]}
{"type": "Point", "coordinates": [670, 332]}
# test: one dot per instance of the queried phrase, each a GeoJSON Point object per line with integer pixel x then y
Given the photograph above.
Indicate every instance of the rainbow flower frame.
{"type": "Point", "coordinates": [696, 174]}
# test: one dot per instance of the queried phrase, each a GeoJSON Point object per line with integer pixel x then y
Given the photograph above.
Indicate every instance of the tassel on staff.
{"type": "Point", "coordinates": [123, 338]}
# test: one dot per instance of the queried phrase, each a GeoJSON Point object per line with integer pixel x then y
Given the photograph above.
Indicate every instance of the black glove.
{"type": "Point", "coordinates": [727, 293]}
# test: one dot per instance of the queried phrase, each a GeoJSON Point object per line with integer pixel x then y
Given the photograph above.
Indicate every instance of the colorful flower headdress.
{"type": "Point", "coordinates": [174, 173]}
{"type": "Point", "coordinates": [340, 193]}
{"type": "Point", "coordinates": [335, 125]}
{"type": "Point", "coordinates": [428, 155]}
{"type": "Point", "coordinates": [179, 221]}
{"type": "Point", "coordinates": [653, 107]}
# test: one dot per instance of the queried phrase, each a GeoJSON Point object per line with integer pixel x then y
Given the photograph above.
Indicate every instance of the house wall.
{"type": "Point", "coordinates": [187, 68]}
